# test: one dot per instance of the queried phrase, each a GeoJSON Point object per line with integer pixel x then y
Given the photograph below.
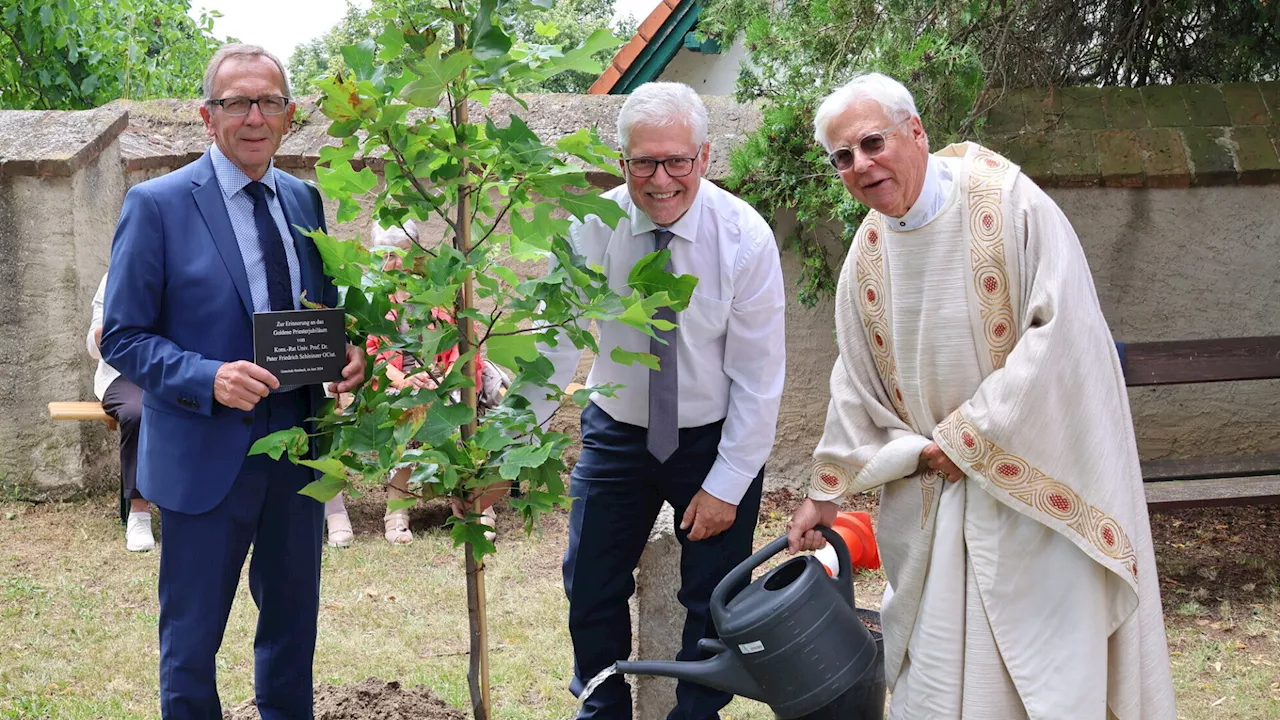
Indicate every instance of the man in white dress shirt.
{"type": "Point", "coordinates": [978, 387]}
{"type": "Point", "coordinates": [696, 433]}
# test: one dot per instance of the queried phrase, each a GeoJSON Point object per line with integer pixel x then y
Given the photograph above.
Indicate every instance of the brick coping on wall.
{"type": "Point", "coordinates": [1154, 137]}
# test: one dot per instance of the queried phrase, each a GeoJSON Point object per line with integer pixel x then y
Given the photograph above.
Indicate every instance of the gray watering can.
{"type": "Point", "coordinates": [792, 639]}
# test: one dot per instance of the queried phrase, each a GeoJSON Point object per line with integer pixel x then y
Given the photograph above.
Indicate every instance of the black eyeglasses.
{"type": "Point", "coordinates": [646, 167]}
{"type": "Point", "coordinates": [871, 144]}
{"type": "Point", "coordinates": [239, 106]}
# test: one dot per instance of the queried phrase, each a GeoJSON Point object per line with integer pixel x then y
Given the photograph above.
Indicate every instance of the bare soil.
{"type": "Point", "coordinates": [370, 699]}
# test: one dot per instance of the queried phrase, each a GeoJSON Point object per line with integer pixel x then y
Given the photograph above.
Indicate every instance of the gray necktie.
{"type": "Point", "coordinates": [664, 396]}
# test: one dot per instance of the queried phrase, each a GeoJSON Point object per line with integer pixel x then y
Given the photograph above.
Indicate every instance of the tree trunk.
{"type": "Point", "coordinates": [478, 670]}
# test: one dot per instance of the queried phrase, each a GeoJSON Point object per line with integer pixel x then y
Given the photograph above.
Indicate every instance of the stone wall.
{"type": "Point", "coordinates": [1172, 257]}
{"type": "Point", "coordinates": [61, 188]}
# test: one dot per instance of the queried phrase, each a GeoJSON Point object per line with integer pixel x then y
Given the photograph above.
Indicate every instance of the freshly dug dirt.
{"type": "Point", "coordinates": [371, 699]}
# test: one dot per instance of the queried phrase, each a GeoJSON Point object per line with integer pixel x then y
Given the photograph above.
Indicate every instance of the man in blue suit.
{"type": "Point", "coordinates": [196, 253]}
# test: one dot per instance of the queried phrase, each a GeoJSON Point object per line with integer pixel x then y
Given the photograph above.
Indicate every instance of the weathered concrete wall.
{"type": "Point", "coordinates": [55, 238]}
{"type": "Point", "coordinates": [1195, 262]}
{"type": "Point", "coordinates": [1183, 264]}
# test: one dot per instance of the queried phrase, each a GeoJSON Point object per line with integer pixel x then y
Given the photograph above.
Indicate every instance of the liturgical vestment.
{"type": "Point", "coordinates": [1027, 589]}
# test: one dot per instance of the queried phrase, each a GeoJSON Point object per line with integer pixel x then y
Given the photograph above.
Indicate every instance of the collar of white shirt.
{"type": "Point", "coordinates": [232, 179]}
{"type": "Point", "coordinates": [938, 182]}
{"type": "Point", "coordinates": [686, 227]}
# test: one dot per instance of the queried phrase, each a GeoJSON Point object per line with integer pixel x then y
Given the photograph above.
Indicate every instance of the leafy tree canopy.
{"type": "Point", "coordinates": [957, 57]}
{"type": "Point", "coordinates": [563, 26]}
{"type": "Point", "coordinates": [78, 54]}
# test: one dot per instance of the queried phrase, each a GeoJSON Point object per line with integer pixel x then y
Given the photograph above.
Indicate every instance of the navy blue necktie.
{"type": "Point", "coordinates": [276, 265]}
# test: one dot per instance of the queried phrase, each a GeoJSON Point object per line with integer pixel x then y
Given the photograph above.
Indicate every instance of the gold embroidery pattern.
{"type": "Point", "coordinates": [871, 302]}
{"type": "Point", "coordinates": [986, 227]}
{"type": "Point", "coordinates": [830, 479]}
{"type": "Point", "coordinates": [1023, 482]}
{"type": "Point", "coordinates": [929, 482]}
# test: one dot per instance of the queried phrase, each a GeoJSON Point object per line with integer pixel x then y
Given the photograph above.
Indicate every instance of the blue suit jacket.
{"type": "Point", "coordinates": [177, 308]}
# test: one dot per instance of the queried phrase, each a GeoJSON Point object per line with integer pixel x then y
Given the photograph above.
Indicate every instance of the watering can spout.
{"type": "Point", "coordinates": [722, 672]}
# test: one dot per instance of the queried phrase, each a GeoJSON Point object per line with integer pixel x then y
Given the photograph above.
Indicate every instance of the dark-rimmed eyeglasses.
{"type": "Point", "coordinates": [675, 167]}
{"type": "Point", "coordinates": [239, 106]}
{"type": "Point", "coordinates": [871, 144]}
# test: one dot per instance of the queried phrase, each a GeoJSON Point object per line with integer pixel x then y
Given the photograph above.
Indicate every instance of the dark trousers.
{"type": "Point", "coordinates": [200, 563]}
{"type": "Point", "coordinates": [618, 489]}
{"type": "Point", "coordinates": [122, 400]}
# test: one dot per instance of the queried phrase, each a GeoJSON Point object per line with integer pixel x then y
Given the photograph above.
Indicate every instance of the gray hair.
{"type": "Point", "coordinates": [889, 93]}
{"type": "Point", "coordinates": [240, 50]}
{"type": "Point", "coordinates": [662, 104]}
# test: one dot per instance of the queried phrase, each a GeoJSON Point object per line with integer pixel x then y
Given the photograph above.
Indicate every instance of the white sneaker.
{"type": "Point", "coordinates": [137, 534]}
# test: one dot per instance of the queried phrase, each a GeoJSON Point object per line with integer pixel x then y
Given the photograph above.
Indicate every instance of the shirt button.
{"type": "Point", "coordinates": [247, 420]}
{"type": "Point", "coordinates": [902, 224]}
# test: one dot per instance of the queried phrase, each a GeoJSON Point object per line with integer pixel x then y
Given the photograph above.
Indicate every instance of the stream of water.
{"type": "Point", "coordinates": [596, 682]}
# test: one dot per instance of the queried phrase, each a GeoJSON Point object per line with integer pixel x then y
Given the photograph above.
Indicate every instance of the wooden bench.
{"type": "Point", "coordinates": [81, 411]}
{"type": "Point", "coordinates": [1205, 481]}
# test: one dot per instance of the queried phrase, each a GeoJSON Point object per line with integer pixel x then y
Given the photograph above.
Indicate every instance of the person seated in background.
{"type": "Point", "coordinates": [122, 400]}
{"type": "Point", "coordinates": [405, 374]}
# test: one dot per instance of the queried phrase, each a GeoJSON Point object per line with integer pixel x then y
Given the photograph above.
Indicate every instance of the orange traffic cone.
{"type": "Point", "coordinates": [855, 529]}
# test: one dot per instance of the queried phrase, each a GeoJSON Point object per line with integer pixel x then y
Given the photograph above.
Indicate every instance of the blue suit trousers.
{"type": "Point", "coordinates": [200, 563]}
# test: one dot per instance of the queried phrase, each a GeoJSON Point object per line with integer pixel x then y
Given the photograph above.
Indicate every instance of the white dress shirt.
{"type": "Point", "coordinates": [730, 342]}
{"type": "Point", "coordinates": [106, 374]}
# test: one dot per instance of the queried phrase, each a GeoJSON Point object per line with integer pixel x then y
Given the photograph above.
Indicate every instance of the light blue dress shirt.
{"type": "Point", "coordinates": [232, 181]}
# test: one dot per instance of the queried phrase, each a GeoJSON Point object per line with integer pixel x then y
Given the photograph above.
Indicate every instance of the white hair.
{"type": "Point", "coordinates": [889, 93]}
{"type": "Point", "coordinates": [662, 104]}
{"type": "Point", "coordinates": [240, 50]}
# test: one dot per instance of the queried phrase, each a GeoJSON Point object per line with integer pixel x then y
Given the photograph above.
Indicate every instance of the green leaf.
{"type": "Point", "coordinates": [586, 204]}
{"type": "Point", "coordinates": [328, 466]}
{"type": "Point", "coordinates": [409, 423]}
{"type": "Point", "coordinates": [274, 445]}
{"type": "Point", "coordinates": [639, 317]}
{"type": "Point", "coordinates": [340, 178]}
{"type": "Point", "coordinates": [343, 128]}
{"type": "Point", "coordinates": [649, 277]}
{"type": "Point", "coordinates": [580, 58]}
{"type": "Point", "coordinates": [392, 42]}
{"type": "Point", "coordinates": [343, 260]}
{"type": "Point", "coordinates": [443, 420]}
{"type": "Point", "coordinates": [359, 58]}
{"type": "Point", "coordinates": [472, 533]}
{"type": "Point", "coordinates": [487, 40]}
{"type": "Point", "coordinates": [434, 74]}
{"type": "Point", "coordinates": [401, 504]}
{"type": "Point", "coordinates": [523, 456]}
{"type": "Point", "coordinates": [324, 489]}
{"type": "Point", "coordinates": [627, 357]}
{"type": "Point", "coordinates": [506, 349]}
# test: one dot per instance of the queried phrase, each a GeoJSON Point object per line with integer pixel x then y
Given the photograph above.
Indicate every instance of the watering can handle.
{"type": "Point", "coordinates": [741, 575]}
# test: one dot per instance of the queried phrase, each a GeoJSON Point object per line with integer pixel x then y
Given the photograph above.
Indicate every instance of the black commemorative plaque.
{"type": "Point", "coordinates": [301, 347]}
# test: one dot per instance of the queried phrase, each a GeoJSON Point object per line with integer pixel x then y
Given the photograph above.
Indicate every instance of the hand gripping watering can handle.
{"type": "Point", "coordinates": [739, 577]}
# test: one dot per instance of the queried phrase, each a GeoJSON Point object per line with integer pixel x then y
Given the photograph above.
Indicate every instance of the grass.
{"type": "Point", "coordinates": [78, 622]}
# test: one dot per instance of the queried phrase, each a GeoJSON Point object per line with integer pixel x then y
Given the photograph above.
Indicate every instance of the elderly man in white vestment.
{"type": "Point", "coordinates": [979, 388]}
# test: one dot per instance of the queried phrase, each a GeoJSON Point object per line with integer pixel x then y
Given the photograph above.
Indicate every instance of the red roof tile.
{"type": "Point", "coordinates": [628, 53]}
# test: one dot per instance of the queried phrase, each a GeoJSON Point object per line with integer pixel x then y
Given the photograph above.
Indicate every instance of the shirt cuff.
{"type": "Point", "coordinates": [726, 483]}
